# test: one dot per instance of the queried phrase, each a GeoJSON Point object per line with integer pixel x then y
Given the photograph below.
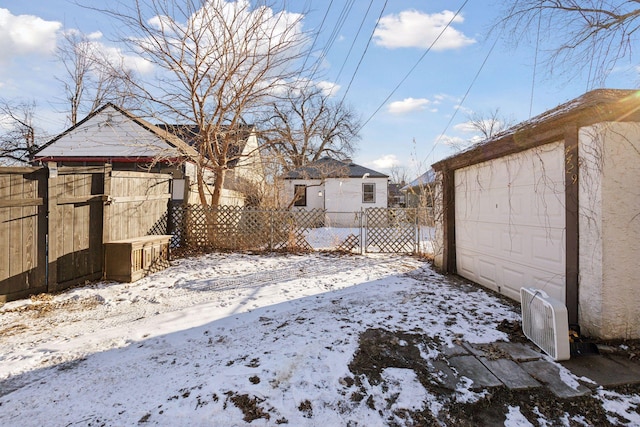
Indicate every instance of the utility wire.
{"type": "Point", "coordinates": [344, 14]}
{"type": "Point", "coordinates": [362, 56]}
{"type": "Point", "coordinates": [535, 64]}
{"type": "Point", "coordinates": [354, 41]}
{"type": "Point", "coordinates": [414, 66]}
{"type": "Point", "coordinates": [315, 39]}
{"type": "Point", "coordinates": [453, 116]}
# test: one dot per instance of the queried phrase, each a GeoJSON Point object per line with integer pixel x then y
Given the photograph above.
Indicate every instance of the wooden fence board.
{"type": "Point", "coordinates": [22, 232]}
{"type": "Point", "coordinates": [82, 214]}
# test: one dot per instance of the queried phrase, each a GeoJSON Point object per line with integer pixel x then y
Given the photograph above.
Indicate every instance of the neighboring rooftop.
{"type": "Point", "coordinates": [327, 167]}
{"type": "Point", "coordinates": [423, 180]}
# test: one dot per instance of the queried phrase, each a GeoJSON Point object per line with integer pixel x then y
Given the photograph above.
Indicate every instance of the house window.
{"type": "Point", "coordinates": [300, 195]}
{"type": "Point", "coordinates": [368, 193]}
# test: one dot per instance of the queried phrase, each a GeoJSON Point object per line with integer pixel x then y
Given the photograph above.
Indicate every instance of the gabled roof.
{"type": "Point", "coordinates": [327, 167]}
{"type": "Point", "coordinates": [596, 106]}
{"type": "Point", "coordinates": [133, 137]}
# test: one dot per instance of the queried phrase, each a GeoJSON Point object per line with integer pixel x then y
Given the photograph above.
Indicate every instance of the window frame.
{"type": "Point", "coordinates": [372, 192]}
{"type": "Point", "coordinates": [302, 190]}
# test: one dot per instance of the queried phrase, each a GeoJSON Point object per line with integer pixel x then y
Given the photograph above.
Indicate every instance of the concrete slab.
{"type": "Point", "coordinates": [455, 350]}
{"type": "Point", "coordinates": [519, 352]}
{"type": "Point", "coordinates": [510, 373]}
{"type": "Point", "coordinates": [607, 371]}
{"type": "Point", "coordinates": [474, 349]}
{"type": "Point", "coordinates": [443, 375]}
{"type": "Point", "coordinates": [549, 374]}
{"type": "Point", "coordinates": [472, 368]}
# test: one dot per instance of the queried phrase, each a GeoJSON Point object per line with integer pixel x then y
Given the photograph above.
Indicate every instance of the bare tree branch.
{"type": "Point", "coordinates": [92, 77]}
{"type": "Point", "coordinates": [215, 63]}
{"type": "Point", "coordinates": [579, 35]}
{"type": "Point", "coordinates": [18, 140]}
{"type": "Point", "coordinates": [306, 125]}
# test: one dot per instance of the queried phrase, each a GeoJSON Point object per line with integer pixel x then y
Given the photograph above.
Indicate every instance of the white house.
{"type": "Point", "coordinates": [116, 136]}
{"type": "Point", "coordinates": [339, 187]}
{"type": "Point", "coordinates": [554, 204]}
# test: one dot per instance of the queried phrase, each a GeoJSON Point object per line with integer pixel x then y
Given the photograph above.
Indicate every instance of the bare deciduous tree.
{"type": "Point", "coordinates": [487, 125]}
{"type": "Point", "coordinates": [481, 126]}
{"type": "Point", "coordinates": [216, 63]}
{"type": "Point", "coordinates": [581, 34]}
{"type": "Point", "coordinates": [306, 125]}
{"type": "Point", "coordinates": [18, 135]}
{"type": "Point", "coordinates": [92, 78]}
{"type": "Point", "coordinates": [399, 174]}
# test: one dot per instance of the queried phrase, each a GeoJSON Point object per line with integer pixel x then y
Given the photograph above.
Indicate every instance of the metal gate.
{"type": "Point", "coordinates": [390, 230]}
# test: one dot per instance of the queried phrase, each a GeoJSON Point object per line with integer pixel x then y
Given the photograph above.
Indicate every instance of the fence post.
{"type": "Point", "coordinates": [362, 232]}
{"type": "Point", "coordinates": [106, 207]}
{"type": "Point", "coordinates": [53, 226]}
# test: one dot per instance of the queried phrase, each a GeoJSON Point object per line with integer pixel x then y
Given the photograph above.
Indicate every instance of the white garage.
{"type": "Point", "coordinates": [554, 204]}
{"type": "Point", "coordinates": [510, 222]}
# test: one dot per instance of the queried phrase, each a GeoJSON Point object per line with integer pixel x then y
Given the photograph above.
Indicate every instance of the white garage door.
{"type": "Point", "coordinates": [510, 222]}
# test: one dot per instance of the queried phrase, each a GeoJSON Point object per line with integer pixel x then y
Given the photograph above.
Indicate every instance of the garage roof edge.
{"type": "Point", "coordinates": [593, 107]}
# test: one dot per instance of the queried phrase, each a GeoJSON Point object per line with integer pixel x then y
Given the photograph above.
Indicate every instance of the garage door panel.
{"type": "Point", "coordinates": [548, 249]}
{"type": "Point", "coordinates": [487, 271]}
{"type": "Point", "coordinates": [510, 222]}
{"type": "Point", "coordinates": [552, 285]}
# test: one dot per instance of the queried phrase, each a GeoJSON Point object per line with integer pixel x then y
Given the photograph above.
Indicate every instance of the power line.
{"type": "Point", "coordinates": [362, 56]}
{"type": "Point", "coordinates": [414, 66]}
{"type": "Point", "coordinates": [453, 116]}
{"type": "Point", "coordinates": [354, 41]}
{"type": "Point", "coordinates": [315, 39]}
{"type": "Point", "coordinates": [535, 64]}
{"type": "Point", "coordinates": [344, 14]}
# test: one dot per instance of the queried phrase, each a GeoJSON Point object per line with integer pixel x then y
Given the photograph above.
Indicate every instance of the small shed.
{"type": "Point", "coordinates": [129, 143]}
{"type": "Point", "coordinates": [553, 203]}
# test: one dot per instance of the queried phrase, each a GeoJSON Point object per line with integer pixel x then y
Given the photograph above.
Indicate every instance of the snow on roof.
{"type": "Point", "coordinates": [426, 178]}
{"type": "Point", "coordinates": [114, 132]}
{"type": "Point", "coordinates": [599, 104]}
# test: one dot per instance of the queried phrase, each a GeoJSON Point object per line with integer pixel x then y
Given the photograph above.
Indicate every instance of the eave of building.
{"type": "Point", "coordinates": [594, 107]}
{"type": "Point", "coordinates": [102, 159]}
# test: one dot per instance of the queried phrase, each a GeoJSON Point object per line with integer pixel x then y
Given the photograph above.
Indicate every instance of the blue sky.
{"type": "Point", "coordinates": [407, 130]}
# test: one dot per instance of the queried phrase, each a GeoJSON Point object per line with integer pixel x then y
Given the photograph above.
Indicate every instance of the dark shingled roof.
{"type": "Point", "coordinates": [327, 167]}
{"type": "Point", "coordinates": [189, 134]}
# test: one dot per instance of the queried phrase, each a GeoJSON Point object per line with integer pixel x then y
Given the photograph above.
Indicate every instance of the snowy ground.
{"type": "Point", "coordinates": [233, 339]}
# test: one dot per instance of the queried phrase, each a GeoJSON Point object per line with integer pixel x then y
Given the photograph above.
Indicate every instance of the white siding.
{"type": "Point", "coordinates": [109, 134]}
{"type": "Point", "coordinates": [337, 195]}
{"type": "Point", "coordinates": [510, 222]}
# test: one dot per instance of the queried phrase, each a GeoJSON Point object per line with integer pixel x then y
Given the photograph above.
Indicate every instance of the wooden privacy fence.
{"type": "Point", "coordinates": [54, 222]}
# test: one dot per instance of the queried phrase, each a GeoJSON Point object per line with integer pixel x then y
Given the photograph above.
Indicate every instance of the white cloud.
{"type": "Point", "coordinates": [385, 162]}
{"type": "Point", "coordinates": [466, 127]}
{"type": "Point", "coordinates": [328, 88]}
{"type": "Point", "coordinates": [26, 34]}
{"type": "Point", "coordinates": [130, 62]}
{"type": "Point", "coordinates": [408, 105]}
{"type": "Point", "coordinates": [412, 28]}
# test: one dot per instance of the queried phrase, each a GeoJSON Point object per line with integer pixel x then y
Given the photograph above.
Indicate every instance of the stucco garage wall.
{"type": "Point", "coordinates": [609, 292]}
{"type": "Point", "coordinates": [510, 222]}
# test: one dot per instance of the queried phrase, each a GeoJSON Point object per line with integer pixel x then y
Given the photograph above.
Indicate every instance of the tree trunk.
{"type": "Point", "coordinates": [218, 185]}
